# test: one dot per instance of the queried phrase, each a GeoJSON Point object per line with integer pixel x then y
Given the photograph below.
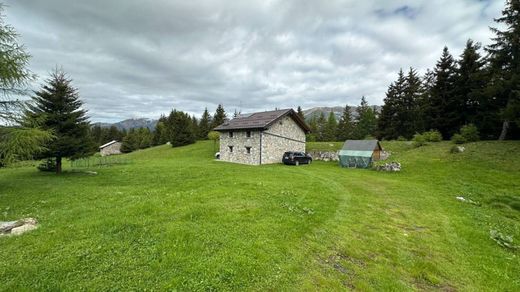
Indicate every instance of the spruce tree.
{"type": "Point", "coordinates": [299, 111]}
{"type": "Point", "coordinates": [331, 128]}
{"type": "Point", "coordinates": [410, 114]}
{"type": "Point", "coordinates": [179, 129]}
{"type": "Point", "coordinates": [504, 86]}
{"type": "Point", "coordinates": [470, 83]}
{"type": "Point", "coordinates": [442, 104]}
{"type": "Point", "coordinates": [345, 126]}
{"type": "Point", "coordinates": [204, 125]}
{"type": "Point", "coordinates": [320, 127]}
{"type": "Point", "coordinates": [219, 117]}
{"type": "Point", "coordinates": [57, 103]}
{"type": "Point", "coordinates": [367, 121]}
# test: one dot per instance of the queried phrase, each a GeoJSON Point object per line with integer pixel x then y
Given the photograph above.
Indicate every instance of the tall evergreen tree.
{"type": "Point", "coordinates": [428, 82]}
{"type": "Point", "coordinates": [331, 127]}
{"type": "Point", "coordinates": [219, 117]}
{"type": "Point", "coordinates": [320, 127]}
{"type": "Point", "coordinates": [299, 111]}
{"type": "Point", "coordinates": [410, 114]}
{"type": "Point", "coordinates": [504, 86]}
{"type": "Point", "coordinates": [204, 125]}
{"type": "Point", "coordinates": [179, 129]}
{"type": "Point", "coordinates": [195, 127]}
{"type": "Point", "coordinates": [367, 121]}
{"type": "Point", "coordinates": [442, 104]}
{"type": "Point", "coordinates": [345, 125]}
{"type": "Point", "coordinates": [58, 105]}
{"type": "Point", "coordinates": [390, 123]}
{"type": "Point", "coordinates": [470, 83]}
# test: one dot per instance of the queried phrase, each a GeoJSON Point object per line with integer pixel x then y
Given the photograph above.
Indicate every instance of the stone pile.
{"type": "Point", "coordinates": [324, 155]}
{"type": "Point", "coordinates": [392, 166]}
{"type": "Point", "coordinates": [18, 227]}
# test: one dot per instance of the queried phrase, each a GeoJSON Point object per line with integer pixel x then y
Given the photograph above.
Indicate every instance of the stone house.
{"type": "Point", "coordinates": [263, 137]}
{"type": "Point", "coordinates": [110, 148]}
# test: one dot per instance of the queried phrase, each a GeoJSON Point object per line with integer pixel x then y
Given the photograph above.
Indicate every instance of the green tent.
{"type": "Point", "coordinates": [359, 153]}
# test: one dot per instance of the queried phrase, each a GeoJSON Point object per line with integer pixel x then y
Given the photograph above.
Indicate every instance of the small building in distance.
{"type": "Point", "coordinates": [262, 137]}
{"type": "Point", "coordinates": [359, 153]}
{"type": "Point", "coordinates": [110, 148]}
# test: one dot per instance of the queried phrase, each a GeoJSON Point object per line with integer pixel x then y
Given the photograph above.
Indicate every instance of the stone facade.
{"type": "Point", "coordinates": [239, 142]}
{"type": "Point", "coordinates": [114, 148]}
{"type": "Point", "coordinates": [266, 146]}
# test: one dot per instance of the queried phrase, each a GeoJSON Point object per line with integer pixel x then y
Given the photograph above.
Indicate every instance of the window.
{"type": "Point", "coordinates": [248, 134]}
{"type": "Point", "coordinates": [230, 134]}
{"type": "Point", "coordinates": [230, 148]}
{"type": "Point", "coordinates": [248, 150]}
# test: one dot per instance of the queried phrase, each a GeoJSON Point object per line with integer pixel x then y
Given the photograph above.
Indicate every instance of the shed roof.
{"type": "Point", "coordinates": [107, 144]}
{"type": "Point", "coordinates": [362, 145]}
{"type": "Point", "coordinates": [261, 120]}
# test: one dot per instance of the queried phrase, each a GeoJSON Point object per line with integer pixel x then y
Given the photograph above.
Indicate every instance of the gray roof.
{"type": "Point", "coordinates": [261, 120]}
{"type": "Point", "coordinates": [362, 145]}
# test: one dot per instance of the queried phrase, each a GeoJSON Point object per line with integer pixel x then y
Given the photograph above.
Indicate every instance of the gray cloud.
{"type": "Point", "coordinates": [140, 59]}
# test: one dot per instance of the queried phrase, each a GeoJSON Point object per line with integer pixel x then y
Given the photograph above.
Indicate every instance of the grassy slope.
{"type": "Point", "coordinates": [174, 218]}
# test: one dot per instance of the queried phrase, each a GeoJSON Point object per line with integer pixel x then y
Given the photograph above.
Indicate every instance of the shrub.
{"type": "Point", "coordinates": [458, 139]}
{"type": "Point", "coordinates": [419, 140]}
{"type": "Point", "coordinates": [401, 138]}
{"type": "Point", "coordinates": [47, 165]}
{"type": "Point", "coordinates": [470, 133]}
{"type": "Point", "coordinates": [433, 136]}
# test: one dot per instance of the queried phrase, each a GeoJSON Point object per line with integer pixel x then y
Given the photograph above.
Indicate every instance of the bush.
{"type": "Point", "coordinates": [433, 136]}
{"type": "Point", "coordinates": [47, 165]}
{"type": "Point", "coordinates": [470, 133]}
{"type": "Point", "coordinates": [419, 140]}
{"type": "Point", "coordinates": [401, 138]}
{"type": "Point", "coordinates": [458, 139]}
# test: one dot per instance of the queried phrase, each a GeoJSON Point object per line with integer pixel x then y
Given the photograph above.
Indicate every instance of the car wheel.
{"type": "Point", "coordinates": [296, 163]}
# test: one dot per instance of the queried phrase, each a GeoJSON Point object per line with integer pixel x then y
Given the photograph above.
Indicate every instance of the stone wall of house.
{"type": "Point", "coordinates": [111, 149]}
{"type": "Point", "coordinates": [240, 141]}
{"type": "Point", "coordinates": [273, 146]}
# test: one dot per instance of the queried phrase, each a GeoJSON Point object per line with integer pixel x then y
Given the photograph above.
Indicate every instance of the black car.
{"type": "Point", "coordinates": [296, 158]}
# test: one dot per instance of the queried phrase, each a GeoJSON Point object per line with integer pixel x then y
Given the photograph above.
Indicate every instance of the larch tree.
{"type": "Point", "coordinates": [19, 139]}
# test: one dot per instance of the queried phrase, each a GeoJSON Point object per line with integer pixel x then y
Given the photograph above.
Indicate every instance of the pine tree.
{"type": "Point", "coordinates": [313, 125]}
{"type": "Point", "coordinates": [204, 125]}
{"type": "Point", "coordinates": [300, 113]}
{"type": "Point", "coordinates": [428, 82]}
{"type": "Point", "coordinates": [345, 126]}
{"type": "Point", "coordinates": [393, 112]}
{"type": "Point", "coordinates": [331, 128]}
{"type": "Point", "coordinates": [130, 142]}
{"type": "Point", "coordinates": [367, 121]}
{"type": "Point", "coordinates": [442, 104]}
{"type": "Point", "coordinates": [470, 83]}
{"type": "Point", "coordinates": [504, 86]}
{"type": "Point", "coordinates": [219, 117]}
{"type": "Point", "coordinates": [58, 104]}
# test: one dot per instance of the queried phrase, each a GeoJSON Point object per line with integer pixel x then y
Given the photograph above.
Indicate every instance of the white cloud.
{"type": "Point", "coordinates": [131, 59]}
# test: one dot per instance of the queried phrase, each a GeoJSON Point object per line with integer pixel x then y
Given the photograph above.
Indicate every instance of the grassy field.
{"type": "Point", "coordinates": [173, 218]}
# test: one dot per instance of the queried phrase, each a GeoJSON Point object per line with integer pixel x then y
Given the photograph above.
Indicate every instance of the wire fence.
{"type": "Point", "coordinates": [96, 161]}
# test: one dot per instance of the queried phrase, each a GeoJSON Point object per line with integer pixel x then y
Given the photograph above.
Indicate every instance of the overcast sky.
{"type": "Point", "coordinates": [132, 58]}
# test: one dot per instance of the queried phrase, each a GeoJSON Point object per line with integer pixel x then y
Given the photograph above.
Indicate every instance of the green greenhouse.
{"type": "Point", "coordinates": [359, 153]}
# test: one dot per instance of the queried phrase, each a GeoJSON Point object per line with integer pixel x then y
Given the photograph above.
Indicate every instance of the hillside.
{"type": "Point", "coordinates": [175, 219]}
{"type": "Point", "coordinates": [130, 124]}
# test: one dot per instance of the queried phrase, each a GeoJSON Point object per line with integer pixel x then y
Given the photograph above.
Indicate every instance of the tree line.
{"type": "Point", "coordinates": [481, 88]}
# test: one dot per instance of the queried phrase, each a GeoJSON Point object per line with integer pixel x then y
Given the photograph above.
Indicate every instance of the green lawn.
{"type": "Point", "coordinates": [173, 218]}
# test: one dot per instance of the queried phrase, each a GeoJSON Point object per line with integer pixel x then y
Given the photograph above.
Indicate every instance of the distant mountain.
{"type": "Point", "coordinates": [337, 110]}
{"type": "Point", "coordinates": [130, 124]}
